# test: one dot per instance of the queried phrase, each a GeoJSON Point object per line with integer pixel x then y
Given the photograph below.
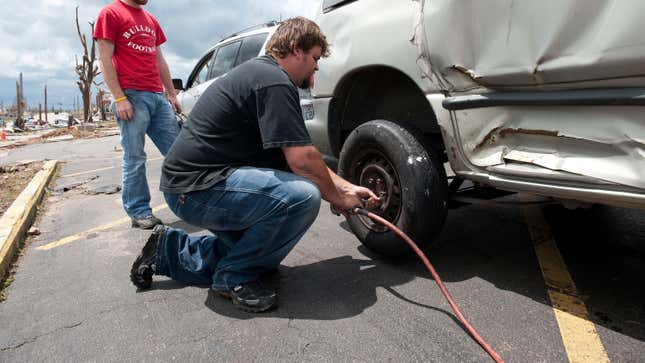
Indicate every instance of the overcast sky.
{"type": "Point", "coordinates": [39, 39]}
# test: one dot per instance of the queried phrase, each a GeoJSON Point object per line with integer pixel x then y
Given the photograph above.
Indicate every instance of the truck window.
{"type": "Point", "coordinates": [225, 59]}
{"type": "Point", "coordinates": [251, 47]}
{"type": "Point", "coordinates": [200, 73]}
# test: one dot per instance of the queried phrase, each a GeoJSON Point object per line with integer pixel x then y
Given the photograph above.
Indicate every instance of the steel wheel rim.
{"type": "Point", "coordinates": [373, 170]}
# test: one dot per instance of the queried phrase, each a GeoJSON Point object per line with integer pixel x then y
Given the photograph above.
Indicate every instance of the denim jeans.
{"type": "Point", "coordinates": [256, 215]}
{"type": "Point", "coordinates": [154, 116]}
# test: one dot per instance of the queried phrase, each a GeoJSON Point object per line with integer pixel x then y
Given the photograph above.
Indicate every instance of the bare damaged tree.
{"type": "Point", "coordinates": [86, 70]}
{"type": "Point", "coordinates": [20, 105]}
{"type": "Point", "coordinates": [100, 103]}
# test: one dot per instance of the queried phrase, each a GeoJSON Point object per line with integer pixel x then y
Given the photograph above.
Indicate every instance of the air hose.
{"type": "Point", "coordinates": [473, 333]}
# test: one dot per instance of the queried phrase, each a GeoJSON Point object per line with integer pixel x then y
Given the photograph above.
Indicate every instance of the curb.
{"type": "Point", "coordinates": [18, 218]}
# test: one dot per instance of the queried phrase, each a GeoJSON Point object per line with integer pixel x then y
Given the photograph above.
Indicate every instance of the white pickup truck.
{"type": "Point", "coordinates": [542, 97]}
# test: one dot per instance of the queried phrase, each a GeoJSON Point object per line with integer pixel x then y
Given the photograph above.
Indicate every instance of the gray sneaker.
{"type": "Point", "coordinates": [147, 222]}
{"type": "Point", "coordinates": [251, 297]}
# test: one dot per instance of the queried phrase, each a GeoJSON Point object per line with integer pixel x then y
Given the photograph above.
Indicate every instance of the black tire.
{"type": "Point", "coordinates": [387, 157]}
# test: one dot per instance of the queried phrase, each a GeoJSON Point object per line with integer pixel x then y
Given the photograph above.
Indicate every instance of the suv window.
{"type": "Point", "coordinates": [224, 59]}
{"type": "Point", "coordinates": [200, 74]}
{"type": "Point", "coordinates": [251, 47]}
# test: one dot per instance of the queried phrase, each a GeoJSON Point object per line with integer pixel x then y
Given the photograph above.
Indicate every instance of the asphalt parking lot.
{"type": "Point", "coordinates": [541, 284]}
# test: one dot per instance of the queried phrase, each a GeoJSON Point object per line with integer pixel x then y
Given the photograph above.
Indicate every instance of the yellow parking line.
{"type": "Point", "coordinates": [87, 172]}
{"type": "Point", "coordinates": [76, 237]}
{"type": "Point", "coordinates": [101, 169]}
{"type": "Point", "coordinates": [581, 340]}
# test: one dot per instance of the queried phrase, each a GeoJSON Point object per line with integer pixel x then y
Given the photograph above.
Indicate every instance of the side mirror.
{"type": "Point", "coordinates": [178, 84]}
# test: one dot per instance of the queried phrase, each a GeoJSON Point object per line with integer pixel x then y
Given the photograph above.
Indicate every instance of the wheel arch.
{"type": "Point", "coordinates": [380, 92]}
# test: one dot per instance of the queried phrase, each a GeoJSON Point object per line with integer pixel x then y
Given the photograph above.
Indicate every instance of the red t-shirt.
{"type": "Point", "coordinates": [136, 35]}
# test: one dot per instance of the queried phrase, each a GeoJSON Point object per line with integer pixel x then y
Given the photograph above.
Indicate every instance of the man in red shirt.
{"type": "Point", "coordinates": [133, 66]}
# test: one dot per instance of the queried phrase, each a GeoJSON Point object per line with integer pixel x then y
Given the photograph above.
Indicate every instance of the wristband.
{"type": "Point", "coordinates": [120, 99]}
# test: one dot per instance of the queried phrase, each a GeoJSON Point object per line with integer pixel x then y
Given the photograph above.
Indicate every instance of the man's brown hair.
{"type": "Point", "coordinates": [296, 32]}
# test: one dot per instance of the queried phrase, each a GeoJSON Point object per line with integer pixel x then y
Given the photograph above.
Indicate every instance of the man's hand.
{"type": "Point", "coordinates": [124, 110]}
{"type": "Point", "coordinates": [356, 196]}
{"type": "Point", "coordinates": [175, 103]}
{"type": "Point", "coordinates": [372, 200]}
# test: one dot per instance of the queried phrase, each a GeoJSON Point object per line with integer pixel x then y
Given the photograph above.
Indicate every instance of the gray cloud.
{"type": "Point", "coordinates": [39, 37]}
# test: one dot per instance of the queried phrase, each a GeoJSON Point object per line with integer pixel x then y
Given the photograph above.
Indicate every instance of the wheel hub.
{"type": "Point", "coordinates": [375, 178]}
{"type": "Point", "coordinates": [378, 175]}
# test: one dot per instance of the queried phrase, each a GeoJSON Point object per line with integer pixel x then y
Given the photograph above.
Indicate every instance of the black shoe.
{"type": "Point", "coordinates": [144, 266]}
{"type": "Point", "coordinates": [251, 297]}
{"type": "Point", "coordinates": [147, 222]}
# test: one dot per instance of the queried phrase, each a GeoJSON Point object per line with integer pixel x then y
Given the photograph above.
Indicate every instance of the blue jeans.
{"type": "Point", "coordinates": [154, 116]}
{"type": "Point", "coordinates": [256, 215]}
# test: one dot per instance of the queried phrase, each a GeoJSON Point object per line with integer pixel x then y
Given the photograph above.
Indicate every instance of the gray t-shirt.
{"type": "Point", "coordinates": [242, 119]}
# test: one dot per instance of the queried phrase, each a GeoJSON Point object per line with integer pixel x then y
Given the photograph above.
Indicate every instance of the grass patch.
{"type": "Point", "coordinates": [5, 284]}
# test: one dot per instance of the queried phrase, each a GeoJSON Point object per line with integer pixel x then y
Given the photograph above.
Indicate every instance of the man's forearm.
{"type": "Point", "coordinates": [164, 73]}
{"type": "Point", "coordinates": [110, 78]}
{"type": "Point", "coordinates": [340, 183]}
{"type": "Point", "coordinates": [314, 168]}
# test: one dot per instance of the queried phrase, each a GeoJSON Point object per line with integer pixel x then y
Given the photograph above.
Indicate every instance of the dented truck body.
{"type": "Point", "coordinates": [545, 97]}
{"type": "Point", "coordinates": [544, 93]}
